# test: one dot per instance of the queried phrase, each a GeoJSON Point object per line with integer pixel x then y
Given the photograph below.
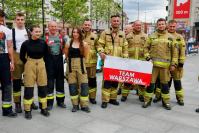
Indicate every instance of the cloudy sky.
{"type": "Point", "coordinates": [153, 9]}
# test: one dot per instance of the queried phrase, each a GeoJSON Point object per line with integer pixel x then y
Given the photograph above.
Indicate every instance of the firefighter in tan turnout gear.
{"type": "Point", "coordinates": [160, 49]}
{"type": "Point", "coordinates": [76, 52]}
{"type": "Point", "coordinates": [178, 73]}
{"type": "Point", "coordinates": [136, 41]}
{"type": "Point", "coordinates": [91, 39]}
{"type": "Point", "coordinates": [32, 54]}
{"type": "Point", "coordinates": [112, 42]}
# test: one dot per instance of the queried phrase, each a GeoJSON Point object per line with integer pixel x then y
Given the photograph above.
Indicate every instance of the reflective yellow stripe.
{"type": "Point", "coordinates": [92, 90]}
{"type": "Point", "coordinates": [158, 90]}
{"type": "Point", "coordinates": [146, 94]}
{"type": "Point", "coordinates": [181, 92]}
{"type": "Point", "coordinates": [165, 96]}
{"type": "Point", "coordinates": [161, 64]}
{"type": "Point", "coordinates": [60, 95]}
{"type": "Point", "coordinates": [84, 98]}
{"type": "Point", "coordinates": [74, 97]}
{"type": "Point", "coordinates": [15, 94]}
{"type": "Point", "coordinates": [42, 100]}
{"type": "Point", "coordinates": [106, 93]}
{"type": "Point", "coordinates": [28, 101]}
{"type": "Point", "coordinates": [125, 55]}
{"type": "Point", "coordinates": [125, 91]}
{"type": "Point", "coordinates": [101, 41]}
{"type": "Point", "coordinates": [146, 55]}
{"type": "Point", "coordinates": [7, 105]}
{"type": "Point", "coordinates": [50, 97]}
{"type": "Point", "coordinates": [113, 92]}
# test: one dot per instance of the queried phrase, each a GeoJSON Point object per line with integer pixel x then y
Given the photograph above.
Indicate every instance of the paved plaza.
{"type": "Point", "coordinates": [129, 117]}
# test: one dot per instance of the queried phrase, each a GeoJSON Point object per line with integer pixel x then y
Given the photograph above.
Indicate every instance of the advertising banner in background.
{"type": "Point", "coordinates": [127, 70]}
{"type": "Point", "coordinates": [181, 9]}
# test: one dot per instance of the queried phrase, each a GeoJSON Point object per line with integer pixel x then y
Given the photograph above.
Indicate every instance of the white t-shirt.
{"type": "Point", "coordinates": [20, 36]}
{"type": "Point", "coordinates": [5, 35]}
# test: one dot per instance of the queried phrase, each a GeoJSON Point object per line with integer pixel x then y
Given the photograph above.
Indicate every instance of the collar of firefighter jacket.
{"type": "Point", "coordinates": [173, 33]}
{"type": "Point", "coordinates": [86, 33]}
{"type": "Point", "coordinates": [136, 32]}
{"type": "Point", "coordinates": [161, 32]}
{"type": "Point", "coordinates": [114, 30]}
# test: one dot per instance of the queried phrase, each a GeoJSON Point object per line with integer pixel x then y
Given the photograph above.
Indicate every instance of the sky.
{"type": "Point", "coordinates": [152, 9]}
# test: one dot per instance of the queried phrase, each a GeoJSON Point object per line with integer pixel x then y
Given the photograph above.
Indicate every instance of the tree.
{"type": "Point", "coordinates": [69, 11]}
{"type": "Point", "coordinates": [31, 8]}
{"type": "Point", "coordinates": [103, 9]}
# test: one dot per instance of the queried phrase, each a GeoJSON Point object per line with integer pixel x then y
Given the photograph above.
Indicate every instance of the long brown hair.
{"type": "Point", "coordinates": [81, 38]}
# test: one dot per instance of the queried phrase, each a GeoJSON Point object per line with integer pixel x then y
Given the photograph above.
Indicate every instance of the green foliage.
{"type": "Point", "coordinates": [103, 9]}
{"type": "Point", "coordinates": [31, 8]}
{"type": "Point", "coordinates": [69, 11]}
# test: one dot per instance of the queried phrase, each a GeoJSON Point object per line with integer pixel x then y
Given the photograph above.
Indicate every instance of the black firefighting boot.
{"type": "Point", "coordinates": [114, 102]}
{"type": "Point", "coordinates": [93, 101]}
{"type": "Point", "coordinates": [75, 108]}
{"type": "Point", "coordinates": [147, 103]}
{"type": "Point", "coordinates": [28, 115]}
{"type": "Point", "coordinates": [167, 106]}
{"type": "Point", "coordinates": [104, 105]}
{"type": "Point", "coordinates": [45, 112]}
{"type": "Point", "coordinates": [86, 109]}
{"type": "Point", "coordinates": [123, 99]}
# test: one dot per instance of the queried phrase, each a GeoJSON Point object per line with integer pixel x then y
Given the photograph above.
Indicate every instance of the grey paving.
{"type": "Point", "coordinates": [129, 117]}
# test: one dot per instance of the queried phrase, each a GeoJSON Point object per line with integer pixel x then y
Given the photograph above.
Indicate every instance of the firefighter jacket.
{"type": "Point", "coordinates": [181, 46]}
{"type": "Point", "coordinates": [91, 39]}
{"type": "Point", "coordinates": [114, 46]}
{"type": "Point", "coordinates": [136, 43]}
{"type": "Point", "coordinates": [160, 48]}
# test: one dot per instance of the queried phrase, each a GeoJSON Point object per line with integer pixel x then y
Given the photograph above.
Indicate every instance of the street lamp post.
{"type": "Point", "coordinates": [138, 9]}
{"type": "Point", "coordinates": [43, 17]}
{"type": "Point", "coordinates": [122, 15]}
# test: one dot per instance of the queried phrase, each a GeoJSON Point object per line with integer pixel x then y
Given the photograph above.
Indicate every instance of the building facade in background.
{"type": "Point", "coordinates": [186, 12]}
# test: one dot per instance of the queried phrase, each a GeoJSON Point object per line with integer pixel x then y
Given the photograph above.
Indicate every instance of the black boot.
{"type": "Point", "coordinates": [180, 102]}
{"type": "Point", "coordinates": [146, 104]}
{"type": "Point", "coordinates": [45, 112]}
{"type": "Point", "coordinates": [167, 106]}
{"type": "Point", "coordinates": [156, 99]}
{"type": "Point", "coordinates": [75, 108]}
{"type": "Point", "coordinates": [104, 105]}
{"type": "Point", "coordinates": [10, 114]}
{"type": "Point", "coordinates": [61, 105]}
{"type": "Point", "coordinates": [18, 108]}
{"type": "Point", "coordinates": [93, 101]}
{"type": "Point", "coordinates": [114, 102]}
{"type": "Point", "coordinates": [28, 115]}
{"type": "Point", "coordinates": [141, 98]}
{"type": "Point", "coordinates": [34, 106]}
{"type": "Point", "coordinates": [197, 110]}
{"type": "Point", "coordinates": [123, 99]}
{"type": "Point", "coordinates": [86, 109]}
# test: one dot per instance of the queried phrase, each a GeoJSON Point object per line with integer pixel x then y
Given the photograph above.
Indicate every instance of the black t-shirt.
{"type": "Point", "coordinates": [34, 49]}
